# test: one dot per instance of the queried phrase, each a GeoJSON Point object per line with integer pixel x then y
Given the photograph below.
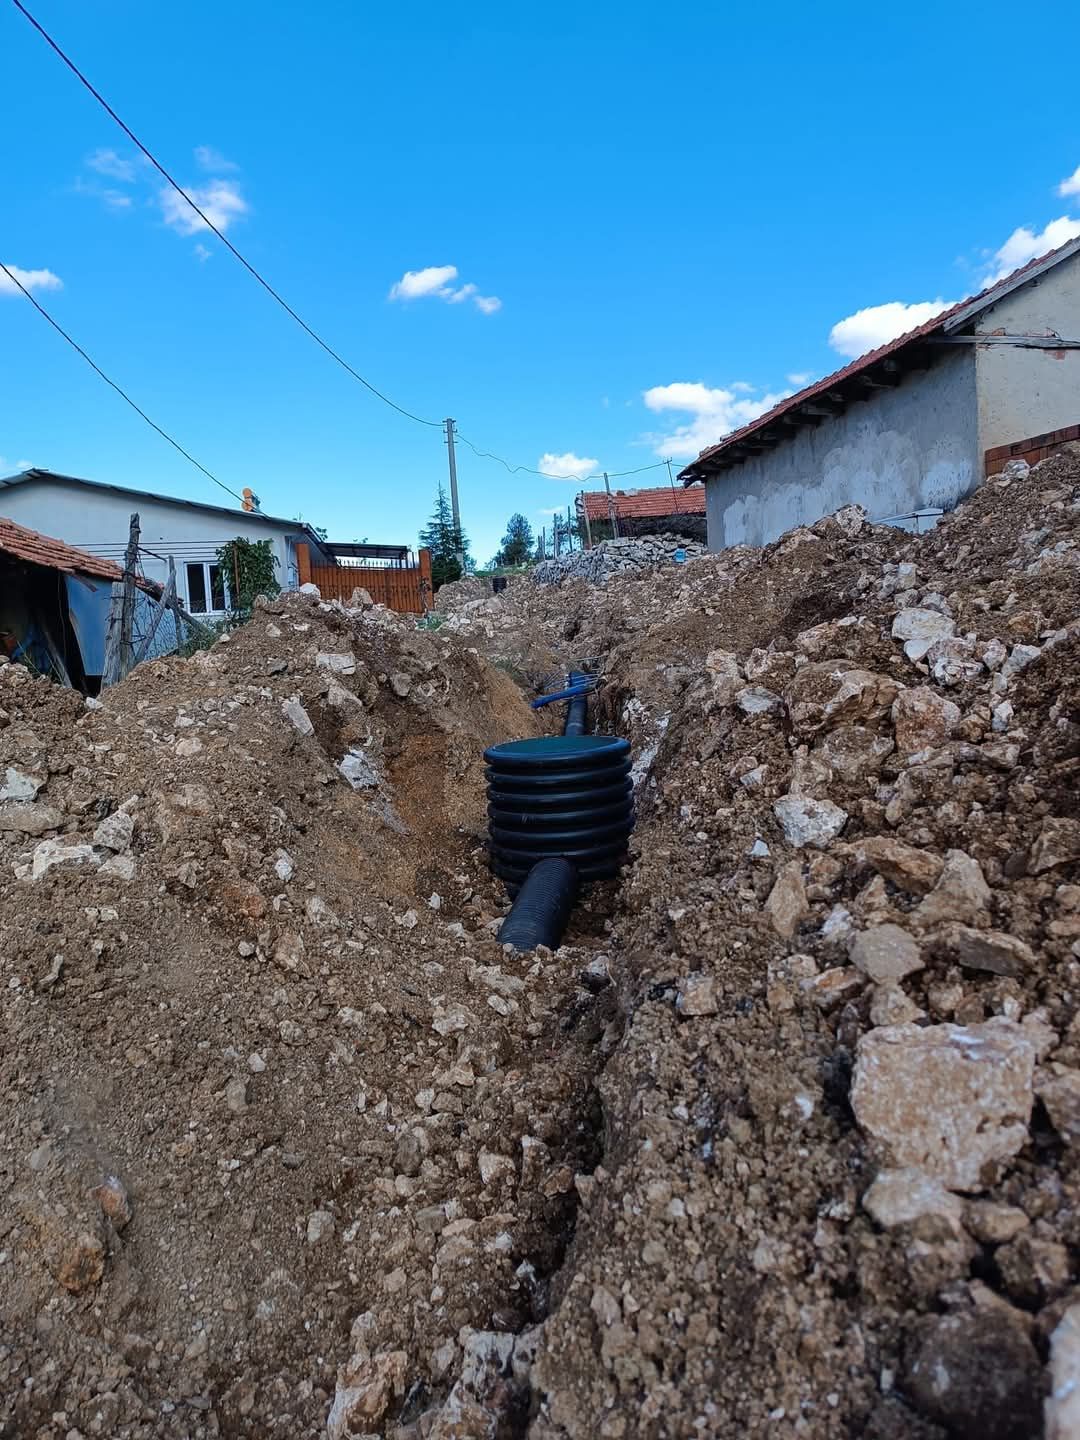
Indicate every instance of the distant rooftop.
{"type": "Point", "coordinates": [657, 503]}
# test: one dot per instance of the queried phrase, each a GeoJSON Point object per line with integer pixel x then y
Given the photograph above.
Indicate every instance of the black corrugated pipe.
{"type": "Point", "coordinates": [564, 797]}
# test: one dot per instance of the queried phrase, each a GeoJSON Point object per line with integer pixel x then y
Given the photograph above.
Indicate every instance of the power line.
{"type": "Point", "coordinates": [122, 393]}
{"type": "Point", "coordinates": [435, 424]}
{"type": "Point", "coordinates": [547, 475]}
{"type": "Point", "coordinates": [274, 294]}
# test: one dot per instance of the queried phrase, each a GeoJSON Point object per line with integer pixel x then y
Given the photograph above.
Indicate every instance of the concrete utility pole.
{"type": "Point", "coordinates": [611, 507]}
{"type": "Point", "coordinates": [453, 489]}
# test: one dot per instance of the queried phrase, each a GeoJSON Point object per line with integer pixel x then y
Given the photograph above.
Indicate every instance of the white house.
{"type": "Point", "coordinates": [94, 516]}
{"type": "Point", "coordinates": [907, 427]}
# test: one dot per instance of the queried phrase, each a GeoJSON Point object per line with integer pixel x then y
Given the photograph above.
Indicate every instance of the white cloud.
{"type": "Point", "coordinates": [207, 158]}
{"type": "Point", "coordinates": [799, 378]}
{"type": "Point", "coordinates": [202, 253]}
{"type": "Point", "coordinates": [714, 414]}
{"type": "Point", "coordinates": [1025, 244]}
{"type": "Point", "coordinates": [435, 281]}
{"type": "Point", "coordinates": [32, 279]}
{"type": "Point", "coordinates": [552, 510]}
{"type": "Point", "coordinates": [219, 200]}
{"type": "Point", "coordinates": [567, 466]}
{"type": "Point", "coordinates": [878, 324]}
{"type": "Point", "coordinates": [108, 162]}
{"type": "Point", "coordinates": [1071, 184]}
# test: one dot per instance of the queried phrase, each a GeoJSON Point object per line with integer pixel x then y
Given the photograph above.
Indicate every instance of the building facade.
{"type": "Point", "coordinates": [906, 428]}
{"type": "Point", "coordinates": [95, 517]}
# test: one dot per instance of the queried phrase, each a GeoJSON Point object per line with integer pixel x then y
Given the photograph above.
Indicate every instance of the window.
{"type": "Point", "coordinates": [205, 583]}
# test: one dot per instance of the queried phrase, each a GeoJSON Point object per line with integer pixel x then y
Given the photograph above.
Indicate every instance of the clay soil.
{"type": "Point", "coordinates": [289, 1146]}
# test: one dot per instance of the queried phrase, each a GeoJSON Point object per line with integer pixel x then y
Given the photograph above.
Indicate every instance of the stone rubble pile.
{"type": "Point", "coordinates": [615, 557]}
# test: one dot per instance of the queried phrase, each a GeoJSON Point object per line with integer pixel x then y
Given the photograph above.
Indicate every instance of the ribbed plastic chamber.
{"type": "Point", "coordinates": [569, 796]}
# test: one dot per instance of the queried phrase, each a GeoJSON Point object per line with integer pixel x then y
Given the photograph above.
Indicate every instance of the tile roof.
{"type": "Point", "coordinates": [42, 550]}
{"type": "Point", "coordinates": [642, 504]}
{"type": "Point", "coordinates": [973, 304]}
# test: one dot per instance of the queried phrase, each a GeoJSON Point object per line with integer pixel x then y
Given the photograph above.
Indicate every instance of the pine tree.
{"type": "Point", "coordinates": [444, 541]}
{"type": "Point", "coordinates": [517, 543]}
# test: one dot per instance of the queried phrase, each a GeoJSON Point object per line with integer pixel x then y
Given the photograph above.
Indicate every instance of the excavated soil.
{"type": "Point", "coordinates": [781, 1142]}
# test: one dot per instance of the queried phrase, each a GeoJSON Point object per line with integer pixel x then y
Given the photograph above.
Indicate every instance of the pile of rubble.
{"type": "Point", "coordinates": [615, 557]}
{"type": "Point", "coordinates": [785, 1139]}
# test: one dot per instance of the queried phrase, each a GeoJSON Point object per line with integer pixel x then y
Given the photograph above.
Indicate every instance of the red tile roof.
{"type": "Point", "coordinates": [982, 300]}
{"type": "Point", "coordinates": [642, 504]}
{"type": "Point", "coordinates": [52, 554]}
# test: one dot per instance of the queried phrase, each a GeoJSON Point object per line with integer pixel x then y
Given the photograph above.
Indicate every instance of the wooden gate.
{"type": "Point", "coordinates": [399, 587]}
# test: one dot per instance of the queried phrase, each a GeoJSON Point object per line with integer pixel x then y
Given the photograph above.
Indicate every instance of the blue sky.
{"type": "Point", "coordinates": [655, 216]}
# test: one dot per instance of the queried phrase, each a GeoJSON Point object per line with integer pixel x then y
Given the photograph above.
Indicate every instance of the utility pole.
{"type": "Point", "coordinates": [671, 482]}
{"type": "Point", "coordinates": [118, 638]}
{"type": "Point", "coordinates": [453, 491]}
{"type": "Point", "coordinates": [611, 507]}
{"type": "Point", "coordinates": [570, 530]}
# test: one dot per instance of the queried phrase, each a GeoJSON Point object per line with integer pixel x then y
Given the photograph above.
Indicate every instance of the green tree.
{"type": "Point", "coordinates": [445, 541]}
{"type": "Point", "coordinates": [517, 543]}
{"type": "Point", "coordinates": [247, 567]}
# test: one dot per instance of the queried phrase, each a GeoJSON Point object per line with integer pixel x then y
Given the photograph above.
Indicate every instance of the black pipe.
{"type": "Point", "coordinates": [577, 710]}
{"type": "Point", "coordinates": [542, 907]}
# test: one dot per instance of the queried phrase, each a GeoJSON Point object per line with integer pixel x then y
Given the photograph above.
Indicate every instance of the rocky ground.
{"type": "Point", "coordinates": [783, 1141]}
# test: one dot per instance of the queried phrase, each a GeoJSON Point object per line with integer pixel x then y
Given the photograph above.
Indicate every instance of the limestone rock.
{"type": "Point", "coordinates": [923, 718]}
{"type": "Point", "coordinates": [918, 629]}
{"type": "Point", "coordinates": [115, 832]}
{"type": "Point", "coordinates": [890, 1006]}
{"type": "Point", "coordinates": [1058, 843]}
{"type": "Point", "coordinates": [787, 905]}
{"type": "Point", "coordinates": [365, 1388]}
{"type": "Point", "coordinates": [806, 821]}
{"type": "Point", "coordinates": [916, 871]}
{"type": "Point", "coordinates": [854, 752]}
{"type": "Point", "coordinates": [18, 785]}
{"type": "Point", "coordinates": [723, 668]}
{"type": "Point", "coordinates": [297, 716]}
{"type": "Point", "coordinates": [1020, 657]}
{"type": "Point", "coordinates": [991, 950]}
{"type": "Point", "coordinates": [961, 893]}
{"type": "Point", "coordinates": [897, 1197]}
{"type": "Point", "coordinates": [757, 700]}
{"type": "Point", "coordinates": [952, 661]}
{"type": "Point", "coordinates": [992, 1223]}
{"type": "Point", "coordinates": [948, 1099]}
{"type": "Point", "coordinates": [976, 1374]}
{"type": "Point", "coordinates": [886, 953]}
{"type": "Point", "coordinates": [400, 683]}
{"type": "Point", "coordinates": [51, 853]}
{"type": "Point", "coordinates": [1059, 1090]}
{"type": "Point", "coordinates": [1033, 1270]}
{"type": "Point", "coordinates": [30, 817]}
{"type": "Point", "coordinates": [1062, 1410]}
{"type": "Point", "coordinates": [357, 769]}
{"type": "Point", "coordinates": [697, 996]}
{"type": "Point", "coordinates": [340, 663]}
{"type": "Point", "coordinates": [824, 694]}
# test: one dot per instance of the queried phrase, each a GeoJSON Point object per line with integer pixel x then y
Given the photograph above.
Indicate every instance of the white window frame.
{"type": "Point", "coordinates": [209, 591]}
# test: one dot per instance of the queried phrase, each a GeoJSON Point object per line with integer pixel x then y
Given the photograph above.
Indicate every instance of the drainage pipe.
{"type": "Point", "coordinates": [577, 711]}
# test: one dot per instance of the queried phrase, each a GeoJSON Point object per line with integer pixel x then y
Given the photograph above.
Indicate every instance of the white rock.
{"type": "Point", "coordinates": [312, 590]}
{"type": "Point", "coordinates": [1062, 1412]}
{"type": "Point", "coordinates": [358, 770]}
{"type": "Point", "coordinates": [340, 663]}
{"type": "Point", "coordinates": [120, 867]}
{"type": "Point", "coordinates": [897, 1197]}
{"type": "Point", "coordinates": [283, 866]}
{"type": "Point", "coordinates": [886, 953]}
{"type": "Point", "coordinates": [18, 785]}
{"type": "Point", "coordinates": [947, 1099]}
{"type": "Point", "coordinates": [1020, 658]}
{"type": "Point", "coordinates": [806, 821]}
{"type": "Point", "coordinates": [756, 700]}
{"type": "Point", "coordinates": [50, 853]}
{"type": "Point", "coordinates": [918, 629]}
{"type": "Point", "coordinates": [115, 832]}
{"type": "Point", "coordinates": [493, 1166]}
{"type": "Point", "coordinates": [320, 1225]}
{"type": "Point", "coordinates": [295, 713]}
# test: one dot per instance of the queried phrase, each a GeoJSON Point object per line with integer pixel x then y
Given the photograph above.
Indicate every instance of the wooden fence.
{"type": "Point", "coordinates": [399, 587]}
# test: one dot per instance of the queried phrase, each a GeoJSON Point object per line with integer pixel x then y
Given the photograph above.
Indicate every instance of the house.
{"type": "Point", "coordinates": [94, 517]}
{"type": "Point", "coordinates": [913, 425]}
{"type": "Point", "coordinates": [665, 510]}
{"type": "Point", "coordinates": [53, 602]}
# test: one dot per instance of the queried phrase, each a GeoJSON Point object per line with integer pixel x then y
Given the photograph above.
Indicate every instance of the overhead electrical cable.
{"type": "Point", "coordinates": [270, 290]}
{"type": "Point", "coordinates": [119, 390]}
